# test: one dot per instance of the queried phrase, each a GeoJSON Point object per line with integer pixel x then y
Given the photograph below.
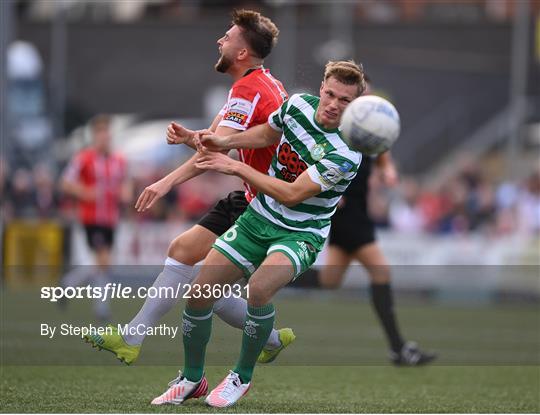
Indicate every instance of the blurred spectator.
{"type": "Point", "coordinates": [21, 194]}
{"type": "Point", "coordinates": [528, 206]}
{"type": "Point", "coordinates": [5, 204]}
{"type": "Point", "coordinates": [405, 214]}
{"type": "Point", "coordinates": [481, 206]}
{"type": "Point", "coordinates": [45, 191]}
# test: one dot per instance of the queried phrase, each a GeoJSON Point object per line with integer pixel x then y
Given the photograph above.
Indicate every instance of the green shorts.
{"type": "Point", "coordinates": [252, 238]}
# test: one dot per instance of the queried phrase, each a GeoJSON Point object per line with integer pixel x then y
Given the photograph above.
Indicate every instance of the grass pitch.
{"type": "Point", "coordinates": [489, 362]}
{"type": "Point", "coordinates": [280, 389]}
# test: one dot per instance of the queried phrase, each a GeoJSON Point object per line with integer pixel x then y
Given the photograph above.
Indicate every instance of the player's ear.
{"type": "Point", "coordinates": [243, 54]}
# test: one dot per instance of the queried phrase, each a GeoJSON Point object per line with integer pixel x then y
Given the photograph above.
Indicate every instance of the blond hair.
{"type": "Point", "coordinates": [346, 72]}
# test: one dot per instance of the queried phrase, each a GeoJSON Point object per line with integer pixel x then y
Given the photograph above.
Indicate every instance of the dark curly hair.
{"type": "Point", "coordinates": [258, 31]}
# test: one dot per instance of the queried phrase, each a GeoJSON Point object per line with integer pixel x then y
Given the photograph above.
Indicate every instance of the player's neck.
{"type": "Point", "coordinates": [105, 152]}
{"type": "Point", "coordinates": [241, 71]}
{"type": "Point", "coordinates": [326, 126]}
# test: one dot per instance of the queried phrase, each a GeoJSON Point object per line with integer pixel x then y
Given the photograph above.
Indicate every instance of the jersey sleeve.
{"type": "Point", "coordinates": [333, 170]}
{"type": "Point", "coordinates": [123, 167]}
{"type": "Point", "coordinates": [239, 110]}
{"type": "Point", "coordinates": [275, 120]}
{"type": "Point", "coordinates": [223, 110]}
{"type": "Point", "coordinates": [73, 169]}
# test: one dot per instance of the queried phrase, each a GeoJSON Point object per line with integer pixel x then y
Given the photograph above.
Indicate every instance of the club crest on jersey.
{"type": "Point", "coordinates": [317, 152]}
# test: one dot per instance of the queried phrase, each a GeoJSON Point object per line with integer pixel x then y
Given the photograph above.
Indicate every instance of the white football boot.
{"type": "Point", "coordinates": [228, 392]}
{"type": "Point", "coordinates": [180, 390]}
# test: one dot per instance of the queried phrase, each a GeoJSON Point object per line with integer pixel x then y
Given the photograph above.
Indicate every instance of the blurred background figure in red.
{"type": "Point", "coordinates": [97, 178]}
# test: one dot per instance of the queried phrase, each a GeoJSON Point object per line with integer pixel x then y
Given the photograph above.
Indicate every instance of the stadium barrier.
{"type": "Point", "coordinates": [448, 266]}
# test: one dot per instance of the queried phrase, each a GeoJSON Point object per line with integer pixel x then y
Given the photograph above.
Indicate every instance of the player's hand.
{"type": "Point", "coordinates": [151, 194]}
{"type": "Point", "coordinates": [87, 194]}
{"type": "Point", "coordinates": [178, 134]}
{"type": "Point", "coordinates": [205, 141]}
{"type": "Point", "coordinates": [389, 175]}
{"type": "Point", "coordinates": [217, 161]}
{"type": "Point", "coordinates": [197, 140]}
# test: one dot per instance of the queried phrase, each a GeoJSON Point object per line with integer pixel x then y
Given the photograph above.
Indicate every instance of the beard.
{"type": "Point", "coordinates": [223, 64]}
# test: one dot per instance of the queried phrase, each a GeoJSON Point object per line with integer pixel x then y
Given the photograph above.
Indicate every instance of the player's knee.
{"type": "Point", "coordinates": [329, 279]}
{"type": "Point", "coordinates": [182, 251]}
{"type": "Point", "coordinates": [258, 296]}
{"type": "Point", "coordinates": [199, 303]}
{"type": "Point", "coordinates": [329, 283]}
{"type": "Point", "coordinates": [379, 274]}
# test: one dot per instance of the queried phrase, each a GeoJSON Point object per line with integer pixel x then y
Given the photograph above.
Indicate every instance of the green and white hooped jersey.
{"type": "Point", "coordinates": [306, 145]}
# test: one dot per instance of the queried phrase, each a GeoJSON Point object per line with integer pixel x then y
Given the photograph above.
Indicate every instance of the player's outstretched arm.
{"type": "Point", "coordinates": [151, 194]}
{"type": "Point", "coordinates": [182, 174]}
{"type": "Point", "coordinates": [387, 169]}
{"type": "Point", "coordinates": [289, 194]}
{"type": "Point", "coordinates": [256, 137]}
{"type": "Point", "coordinates": [178, 134]}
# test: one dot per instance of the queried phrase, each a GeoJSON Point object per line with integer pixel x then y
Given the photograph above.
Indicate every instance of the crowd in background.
{"type": "Point", "coordinates": [29, 193]}
{"type": "Point", "coordinates": [466, 202]}
{"type": "Point", "coordinates": [469, 201]}
{"type": "Point", "coordinates": [381, 11]}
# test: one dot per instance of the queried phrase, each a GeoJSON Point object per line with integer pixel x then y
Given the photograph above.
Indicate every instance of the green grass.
{"type": "Point", "coordinates": [280, 389]}
{"type": "Point", "coordinates": [489, 361]}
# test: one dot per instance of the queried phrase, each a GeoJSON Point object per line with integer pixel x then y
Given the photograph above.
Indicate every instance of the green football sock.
{"type": "Point", "coordinates": [257, 328]}
{"type": "Point", "coordinates": [196, 330]}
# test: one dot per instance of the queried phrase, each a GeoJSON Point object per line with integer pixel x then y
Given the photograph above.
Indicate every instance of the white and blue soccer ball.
{"type": "Point", "coordinates": [370, 124]}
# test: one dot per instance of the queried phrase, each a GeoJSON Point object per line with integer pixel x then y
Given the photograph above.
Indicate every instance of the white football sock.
{"type": "Point", "coordinates": [78, 276]}
{"type": "Point", "coordinates": [231, 310]}
{"type": "Point", "coordinates": [102, 309]}
{"type": "Point", "coordinates": [154, 309]}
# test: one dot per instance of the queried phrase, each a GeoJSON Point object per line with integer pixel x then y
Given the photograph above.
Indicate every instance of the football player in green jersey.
{"type": "Point", "coordinates": [283, 229]}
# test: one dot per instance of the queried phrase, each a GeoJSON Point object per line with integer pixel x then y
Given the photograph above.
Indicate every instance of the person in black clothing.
{"type": "Point", "coordinates": [352, 237]}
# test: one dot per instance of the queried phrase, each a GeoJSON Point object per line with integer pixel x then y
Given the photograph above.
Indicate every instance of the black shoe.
{"type": "Point", "coordinates": [411, 355]}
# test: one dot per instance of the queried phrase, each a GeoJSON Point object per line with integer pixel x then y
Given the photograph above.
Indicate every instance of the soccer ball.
{"type": "Point", "coordinates": [370, 125]}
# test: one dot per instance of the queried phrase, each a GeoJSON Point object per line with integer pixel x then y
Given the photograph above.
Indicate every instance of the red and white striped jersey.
{"type": "Point", "coordinates": [251, 100]}
{"type": "Point", "coordinates": [103, 174]}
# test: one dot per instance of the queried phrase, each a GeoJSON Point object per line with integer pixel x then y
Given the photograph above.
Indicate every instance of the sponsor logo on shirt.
{"type": "Point", "coordinates": [293, 165]}
{"type": "Point", "coordinates": [291, 123]}
{"type": "Point", "coordinates": [237, 117]}
{"type": "Point", "coordinates": [331, 176]}
{"type": "Point", "coordinates": [345, 167]}
{"type": "Point", "coordinates": [238, 110]}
